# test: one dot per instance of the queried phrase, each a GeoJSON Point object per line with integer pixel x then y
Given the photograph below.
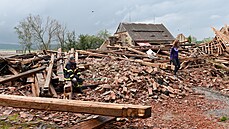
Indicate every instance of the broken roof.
{"type": "Point", "coordinates": [145, 32]}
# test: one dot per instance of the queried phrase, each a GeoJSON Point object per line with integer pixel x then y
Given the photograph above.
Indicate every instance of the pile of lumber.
{"type": "Point", "coordinates": [40, 70]}
{"type": "Point", "coordinates": [219, 45]}
{"type": "Point", "coordinates": [28, 77]}
{"type": "Point", "coordinates": [114, 78]}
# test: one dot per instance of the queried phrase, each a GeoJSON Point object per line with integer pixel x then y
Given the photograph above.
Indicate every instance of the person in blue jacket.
{"type": "Point", "coordinates": [174, 56]}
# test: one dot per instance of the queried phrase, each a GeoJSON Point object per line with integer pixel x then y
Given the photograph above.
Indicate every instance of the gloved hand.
{"type": "Point", "coordinates": [74, 80]}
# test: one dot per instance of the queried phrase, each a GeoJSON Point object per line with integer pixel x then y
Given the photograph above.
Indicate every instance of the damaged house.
{"type": "Point", "coordinates": [140, 34]}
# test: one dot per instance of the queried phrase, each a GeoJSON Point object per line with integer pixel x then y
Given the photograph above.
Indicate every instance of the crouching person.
{"type": "Point", "coordinates": [72, 74]}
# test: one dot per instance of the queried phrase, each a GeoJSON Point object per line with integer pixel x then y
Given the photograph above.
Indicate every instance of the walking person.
{"type": "Point", "coordinates": [174, 56]}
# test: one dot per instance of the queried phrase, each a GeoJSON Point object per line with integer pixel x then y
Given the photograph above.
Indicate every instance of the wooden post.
{"type": "Point", "coordinates": [60, 70]}
{"type": "Point", "coordinates": [76, 57]}
{"type": "Point", "coordinates": [72, 52]}
{"type": "Point", "coordinates": [68, 90]}
{"type": "Point", "coordinates": [49, 74]}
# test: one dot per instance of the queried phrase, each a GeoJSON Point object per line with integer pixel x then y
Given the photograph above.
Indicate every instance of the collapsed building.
{"type": "Point", "coordinates": [119, 72]}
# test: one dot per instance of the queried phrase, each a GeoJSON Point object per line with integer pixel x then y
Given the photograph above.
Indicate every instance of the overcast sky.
{"type": "Point", "coordinates": [195, 17]}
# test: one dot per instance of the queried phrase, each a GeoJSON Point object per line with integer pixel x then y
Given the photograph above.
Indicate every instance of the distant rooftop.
{"type": "Point", "coordinates": [145, 32]}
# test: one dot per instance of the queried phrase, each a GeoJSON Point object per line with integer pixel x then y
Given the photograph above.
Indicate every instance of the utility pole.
{"type": "Point", "coordinates": [129, 17]}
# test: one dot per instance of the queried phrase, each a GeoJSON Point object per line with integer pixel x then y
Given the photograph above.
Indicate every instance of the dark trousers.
{"type": "Point", "coordinates": [176, 63]}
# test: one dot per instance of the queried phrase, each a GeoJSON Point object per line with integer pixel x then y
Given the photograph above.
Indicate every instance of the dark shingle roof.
{"type": "Point", "coordinates": [146, 32]}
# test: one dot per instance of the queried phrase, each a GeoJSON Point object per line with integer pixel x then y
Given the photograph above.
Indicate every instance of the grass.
{"type": "Point", "coordinates": [15, 121]}
{"type": "Point", "coordinates": [224, 118]}
{"type": "Point", "coordinates": [14, 117]}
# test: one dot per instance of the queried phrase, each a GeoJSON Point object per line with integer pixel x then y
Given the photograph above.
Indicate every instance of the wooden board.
{"type": "Point", "coordinates": [60, 70]}
{"type": "Point", "coordinates": [77, 106]}
{"type": "Point", "coordinates": [95, 123]}
{"type": "Point", "coordinates": [20, 75]}
{"type": "Point", "coordinates": [49, 74]}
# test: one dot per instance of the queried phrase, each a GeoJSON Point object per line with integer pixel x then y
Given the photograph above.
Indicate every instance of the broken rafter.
{"type": "Point", "coordinates": [95, 123]}
{"type": "Point", "coordinates": [93, 54]}
{"type": "Point", "coordinates": [24, 74]}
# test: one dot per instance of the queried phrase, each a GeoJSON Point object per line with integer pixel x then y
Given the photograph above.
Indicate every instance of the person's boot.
{"type": "Point", "coordinates": [79, 90]}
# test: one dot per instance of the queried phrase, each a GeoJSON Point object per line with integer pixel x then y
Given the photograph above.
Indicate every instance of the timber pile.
{"type": "Point", "coordinates": [133, 76]}
{"type": "Point", "coordinates": [129, 82]}
{"type": "Point", "coordinates": [41, 75]}
{"type": "Point", "coordinates": [120, 74]}
{"type": "Point", "coordinates": [219, 45]}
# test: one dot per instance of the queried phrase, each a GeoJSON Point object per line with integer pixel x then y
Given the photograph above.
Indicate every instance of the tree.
{"type": "Point", "coordinates": [42, 32]}
{"type": "Point", "coordinates": [24, 35]}
{"type": "Point", "coordinates": [33, 30]}
{"type": "Point", "coordinates": [207, 39]}
{"type": "Point", "coordinates": [192, 39]}
{"type": "Point", "coordinates": [103, 34]}
{"type": "Point", "coordinates": [71, 41]}
{"type": "Point", "coordinates": [89, 42]}
{"type": "Point", "coordinates": [61, 36]}
{"type": "Point", "coordinates": [85, 41]}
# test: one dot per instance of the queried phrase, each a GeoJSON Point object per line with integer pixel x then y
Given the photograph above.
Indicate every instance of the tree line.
{"type": "Point", "coordinates": [41, 33]}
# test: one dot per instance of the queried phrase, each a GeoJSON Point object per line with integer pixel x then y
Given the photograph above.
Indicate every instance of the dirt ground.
{"type": "Point", "coordinates": [204, 109]}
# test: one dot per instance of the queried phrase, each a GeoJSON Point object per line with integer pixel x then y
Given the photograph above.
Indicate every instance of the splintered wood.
{"type": "Point", "coordinates": [115, 74]}
{"type": "Point", "coordinates": [218, 45]}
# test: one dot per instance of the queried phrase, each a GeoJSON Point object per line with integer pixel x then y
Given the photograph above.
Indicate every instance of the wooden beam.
{"type": "Point", "coordinates": [40, 81]}
{"type": "Point", "coordinates": [136, 51]}
{"type": "Point", "coordinates": [23, 56]}
{"type": "Point", "coordinates": [60, 70]}
{"type": "Point", "coordinates": [49, 73]}
{"type": "Point", "coordinates": [12, 70]}
{"type": "Point", "coordinates": [68, 90]}
{"type": "Point", "coordinates": [95, 123]}
{"type": "Point", "coordinates": [92, 54]}
{"type": "Point", "coordinates": [35, 87]}
{"type": "Point", "coordinates": [27, 61]}
{"type": "Point", "coordinates": [76, 57]}
{"type": "Point", "coordinates": [20, 75]}
{"type": "Point", "coordinates": [72, 52]}
{"type": "Point", "coordinates": [53, 91]}
{"type": "Point", "coordinates": [121, 53]}
{"type": "Point", "coordinates": [77, 106]}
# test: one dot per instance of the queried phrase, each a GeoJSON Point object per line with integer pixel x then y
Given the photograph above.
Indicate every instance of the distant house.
{"type": "Point", "coordinates": [141, 34]}
{"type": "Point", "coordinates": [181, 38]}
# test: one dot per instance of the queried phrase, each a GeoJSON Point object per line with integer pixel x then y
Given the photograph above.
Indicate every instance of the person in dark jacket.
{"type": "Point", "coordinates": [71, 73]}
{"type": "Point", "coordinates": [174, 56]}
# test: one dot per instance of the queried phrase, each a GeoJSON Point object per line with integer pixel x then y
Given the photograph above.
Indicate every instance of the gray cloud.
{"type": "Point", "coordinates": [193, 17]}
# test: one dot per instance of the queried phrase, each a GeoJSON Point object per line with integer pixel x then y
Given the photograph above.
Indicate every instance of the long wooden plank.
{"type": "Point", "coordinates": [136, 51]}
{"type": "Point", "coordinates": [40, 80]}
{"type": "Point", "coordinates": [95, 123]}
{"type": "Point", "coordinates": [35, 86]}
{"type": "Point", "coordinates": [77, 106]}
{"type": "Point", "coordinates": [121, 53]}
{"type": "Point", "coordinates": [92, 54]}
{"type": "Point", "coordinates": [60, 70]}
{"type": "Point", "coordinates": [20, 75]}
{"type": "Point", "coordinates": [49, 73]}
